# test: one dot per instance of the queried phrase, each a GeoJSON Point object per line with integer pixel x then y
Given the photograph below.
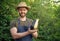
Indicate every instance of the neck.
{"type": "Point", "coordinates": [23, 18]}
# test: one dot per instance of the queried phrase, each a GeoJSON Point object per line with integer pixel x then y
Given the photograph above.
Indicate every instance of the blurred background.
{"type": "Point", "coordinates": [48, 11]}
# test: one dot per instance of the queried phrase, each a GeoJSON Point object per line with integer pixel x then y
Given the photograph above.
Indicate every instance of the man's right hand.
{"type": "Point", "coordinates": [31, 31]}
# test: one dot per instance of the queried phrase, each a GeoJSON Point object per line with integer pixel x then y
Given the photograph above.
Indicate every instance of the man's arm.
{"type": "Point", "coordinates": [16, 35]}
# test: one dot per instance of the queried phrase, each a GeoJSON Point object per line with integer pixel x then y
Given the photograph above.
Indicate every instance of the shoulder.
{"type": "Point", "coordinates": [30, 20]}
{"type": "Point", "coordinates": [13, 21]}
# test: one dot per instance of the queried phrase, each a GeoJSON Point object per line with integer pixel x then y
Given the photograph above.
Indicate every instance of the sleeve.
{"type": "Point", "coordinates": [13, 24]}
{"type": "Point", "coordinates": [31, 21]}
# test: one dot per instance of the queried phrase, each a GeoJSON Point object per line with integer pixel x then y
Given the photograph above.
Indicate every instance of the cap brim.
{"type": "Point", "coordinates": [27, 7]}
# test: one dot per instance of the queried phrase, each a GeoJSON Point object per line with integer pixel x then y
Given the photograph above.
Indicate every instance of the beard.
{"type": "Point", "coordinates": [22, 15]}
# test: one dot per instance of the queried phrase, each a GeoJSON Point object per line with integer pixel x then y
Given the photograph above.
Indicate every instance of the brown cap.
{"type": "Point", "coordinates": [23, 4]}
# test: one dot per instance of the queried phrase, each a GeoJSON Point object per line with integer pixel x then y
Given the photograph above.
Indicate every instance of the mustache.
{"type": "Point", "coordinates": [21, 15]}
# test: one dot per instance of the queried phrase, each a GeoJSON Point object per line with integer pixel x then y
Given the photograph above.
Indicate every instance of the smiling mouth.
{"type": "Point", "coordinates": [22, 14]}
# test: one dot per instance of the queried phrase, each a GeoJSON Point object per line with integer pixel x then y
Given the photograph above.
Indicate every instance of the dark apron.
{"type": "Point", "coordinates": [21, 29]}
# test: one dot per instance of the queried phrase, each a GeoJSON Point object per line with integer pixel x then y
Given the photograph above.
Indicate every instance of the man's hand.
{"type": "Point", "coordinates": [32, 31]}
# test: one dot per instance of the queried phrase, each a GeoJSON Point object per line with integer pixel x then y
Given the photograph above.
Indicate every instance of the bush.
{"type": "Point", "coordinates": [49, 28]}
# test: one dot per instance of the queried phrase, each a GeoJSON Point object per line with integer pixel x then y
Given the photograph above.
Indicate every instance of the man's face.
{"type": "Point", "coordinates": [22, 11]}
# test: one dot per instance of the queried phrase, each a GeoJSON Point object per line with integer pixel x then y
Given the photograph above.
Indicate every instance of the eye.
{"type": "Point", "coordinates": [24, 9]}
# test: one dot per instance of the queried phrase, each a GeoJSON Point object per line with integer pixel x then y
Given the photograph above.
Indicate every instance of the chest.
{"type": "Point", "coordinates": [23, 26]}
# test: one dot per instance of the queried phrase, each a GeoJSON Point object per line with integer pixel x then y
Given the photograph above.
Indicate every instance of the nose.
{"type": "Point", "coordinates": [22, 11]}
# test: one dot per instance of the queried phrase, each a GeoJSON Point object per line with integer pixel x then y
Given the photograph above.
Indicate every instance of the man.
{"type": "Point", "coordinates": [20, 28]}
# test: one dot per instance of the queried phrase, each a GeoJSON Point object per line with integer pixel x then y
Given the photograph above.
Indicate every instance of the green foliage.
{"type": "Point", "coordinates": [48, 13]}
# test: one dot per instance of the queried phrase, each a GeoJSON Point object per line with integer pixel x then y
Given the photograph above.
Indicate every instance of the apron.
{"type": "Point", "coordinates": [21, 29]}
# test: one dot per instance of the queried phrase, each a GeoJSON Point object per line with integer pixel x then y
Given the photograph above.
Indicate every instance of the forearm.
{"type": "Point", "coordinates": [20, 35]}
{"type": "Point", "coordinates": [16, 35]}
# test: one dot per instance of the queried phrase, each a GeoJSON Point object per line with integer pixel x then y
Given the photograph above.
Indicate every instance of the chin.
{"type": "Point", "coordinates": [22, 16]}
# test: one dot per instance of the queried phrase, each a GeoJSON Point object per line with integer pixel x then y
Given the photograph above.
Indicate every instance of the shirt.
{"type": "Point", "coordinates": [22, 26]}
